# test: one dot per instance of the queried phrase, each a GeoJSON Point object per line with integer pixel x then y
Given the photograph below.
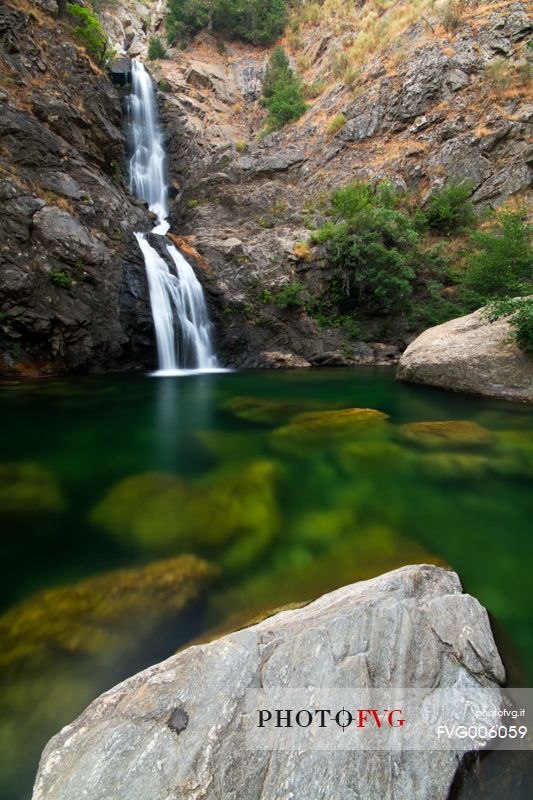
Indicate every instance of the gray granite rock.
{"type": "Point", "coordinates": [470, 354]}
{"type": "Point", "coordinates": [175, 730]}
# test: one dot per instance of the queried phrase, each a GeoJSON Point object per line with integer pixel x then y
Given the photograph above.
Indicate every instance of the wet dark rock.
{"type": "Point", "coordinates": [120, 71]}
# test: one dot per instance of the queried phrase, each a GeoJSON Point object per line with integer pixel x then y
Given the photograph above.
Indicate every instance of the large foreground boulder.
{"type": "Point", "coordinates": [470, 354]}
{"type": "Point", "coordinates": [176, 730]}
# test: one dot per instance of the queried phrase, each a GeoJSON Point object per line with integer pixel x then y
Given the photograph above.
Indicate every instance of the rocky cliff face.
{"type": "Point", "coordinates": [426, 106]}
{"type": "Point", "coordinates": [72, 285]}
{"type": "Point", "coordinates": [178, 729]}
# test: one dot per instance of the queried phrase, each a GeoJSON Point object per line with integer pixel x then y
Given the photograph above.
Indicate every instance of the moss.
{"type": "Point", "coordinates": [232, 516]}
{"type": "Point", "coordinates": [376, 456]}
{"type": "Point", "coordinates": [454, 433]}
{"type": "Point", "coordinates": [93, 617]}
{"type": "Point", "coordinates": [327, 427]}
{"type": "Point", "coordinates": [61, 648]}
{"type": "Point", "coordinates": [268, 411]}
{"type": "Point", "coordinates": [361, 552]}
{"type": "Point", "coordinates": [28, 489]}
{"type": "Point", "coordinates": [453, 466]}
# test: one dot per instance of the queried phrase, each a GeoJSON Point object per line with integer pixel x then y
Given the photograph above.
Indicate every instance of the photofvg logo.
{"type": "Point", "coordinates": [389, 719]}
{"type": "Point", "coordinates": [304, 717]}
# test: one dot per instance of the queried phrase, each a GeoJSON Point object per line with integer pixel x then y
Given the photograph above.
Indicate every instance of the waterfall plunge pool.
{"type": "Point", "coordinates": [100, 474]}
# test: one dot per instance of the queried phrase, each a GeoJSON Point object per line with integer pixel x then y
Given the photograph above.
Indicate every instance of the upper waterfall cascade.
{"type": "Point", "coordinates": [181, 321]}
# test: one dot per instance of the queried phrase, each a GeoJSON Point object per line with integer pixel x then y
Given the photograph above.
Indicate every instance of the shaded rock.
{"type": "Point", "coordinates": [455, 433]}
{"type": "Point", "coordinates": [470, 354]}
{"type": "Point", "coordinates": [278, 360]}
{"type": "Point", "coordinates": [65, 237]}
{"type": "Point", "coordinates": [280, 162]}
{"type": "Point", "coordinates": [122, 744]}
{"type": "Point", "coordinates": [120, 71]}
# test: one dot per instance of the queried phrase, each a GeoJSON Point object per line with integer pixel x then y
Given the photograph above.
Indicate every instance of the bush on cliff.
{"type": "Point", "coordinates": [89, 33]}
{"type": "Point", "coordinates": [255, 21]}
{"type": "Point", "coordinates": [372, 247]}
{"type": "Point", "coordinates": [156, 49]}
{"type": "Point", "coordinates": [283, 91]}
{"type": "Point", "coordinates": [500, 258]}
{"type": "Point", "coordinates": [450, 208]}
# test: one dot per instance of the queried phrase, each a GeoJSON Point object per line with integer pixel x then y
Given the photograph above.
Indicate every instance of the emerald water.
{"type": "Point", "coordinates": [102, 474]}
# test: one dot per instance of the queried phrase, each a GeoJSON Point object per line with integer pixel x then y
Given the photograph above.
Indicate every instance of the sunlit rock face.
{"type": "Point", "coordinates": [175, 730]}
{"type": "Point", "coordinates": [471, 354]}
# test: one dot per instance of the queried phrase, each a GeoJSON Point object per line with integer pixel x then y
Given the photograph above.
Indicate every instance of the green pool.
{"type": "Point", "coordinates": [212, 498]}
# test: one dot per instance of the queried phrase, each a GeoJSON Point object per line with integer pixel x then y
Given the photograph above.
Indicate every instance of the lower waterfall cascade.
{"type": "Point", "coordinates": [181, 321]}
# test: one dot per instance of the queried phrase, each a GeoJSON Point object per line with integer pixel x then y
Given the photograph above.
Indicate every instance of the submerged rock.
{"type": "Point", "coordinates": [63, 646]}
{"type": "Point", "coordinates": [123, 745]}
{"type": "Point", "coordinates": [233, 516]}
{"type": "Point", "coordinates": [453, 433]}
{"type": "Point", "coordinates": [470, 354]}
{"type": "Point", "coordinates": [93, 617]}
{"type": "Point", "coordinates": [28, 489]}
{"type": "Point", "coordinates": [326, 426]}
{"type": "Point", "coordinates": [268, 410]}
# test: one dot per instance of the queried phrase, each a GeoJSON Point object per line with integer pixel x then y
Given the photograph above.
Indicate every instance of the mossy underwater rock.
{"type": "Point", "coordinates": [63, 646]}
{"type": "Point", "coordinates": [267, 411]}
{"type": "Point", "coordinates": [101, 615]}
{"type": "Point", "coordinates": [452, 433]}
{"type": "Point", "coordinates": [309, 566]}
{"type": "Point", "coordinates": [324, 427]}
{"type": "Point", "coordinates": [232, 516]}
{"type": "Point", "coordinates": [28, 489]}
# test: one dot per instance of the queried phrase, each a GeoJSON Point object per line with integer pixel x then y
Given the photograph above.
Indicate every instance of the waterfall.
{"type": "Point", "coordinates": [179, 311]}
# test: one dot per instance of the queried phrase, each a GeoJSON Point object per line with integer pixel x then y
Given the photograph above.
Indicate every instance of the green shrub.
{"type": "Point", "coordinates": [450, 209]}
{"type": "Point", "coordinates": [290, 296]}
{"type": "Point", "coordinates": [520, 313]}
{"type": "Point", "coordinates": [278, 69]}
{"type": "Point", "coordinates": [256, 21]}
{"type": "Point", "coordinates": [373, 260]}
{"type": "Point", "coordinates": [60, 277]}
{"type": "Point", "coordinates": [283, 91]}
{"type": "Point", "coordinates": [156, 49]}
{"type": "Point", "coordinates": [90, 34]}
{"type": "Point", "coordinates": [185, 18]}
{"type": "Point", "coordinates": [500, 258]}
{"type": "Point", "coordinates": [351, 199]}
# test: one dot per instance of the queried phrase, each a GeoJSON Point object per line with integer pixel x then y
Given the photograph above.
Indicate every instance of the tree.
{"type": "Point", "coordinates": [283, 91]}
{"type": "Point", "coordinates": [256, 21]}
{"type": "Point", "coordinates": [278, 68]}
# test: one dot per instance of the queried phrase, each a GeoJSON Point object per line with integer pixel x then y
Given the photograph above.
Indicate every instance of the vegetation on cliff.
{"type": "Point", "coordinates": [256, 21]}
{"type": "Point", "coordinates": [88, 30]}
{"type": "Point", "coordinates": [283, 91]}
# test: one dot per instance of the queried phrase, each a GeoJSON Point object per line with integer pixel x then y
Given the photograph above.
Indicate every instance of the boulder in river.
{"type": "Point", "coordinates": [470, 354]}
{"type": "Point", "coordinates": [176, 729]}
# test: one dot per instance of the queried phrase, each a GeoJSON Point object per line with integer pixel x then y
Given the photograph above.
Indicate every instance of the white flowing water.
{"type": "Point", "coordinates": [181, 321]}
